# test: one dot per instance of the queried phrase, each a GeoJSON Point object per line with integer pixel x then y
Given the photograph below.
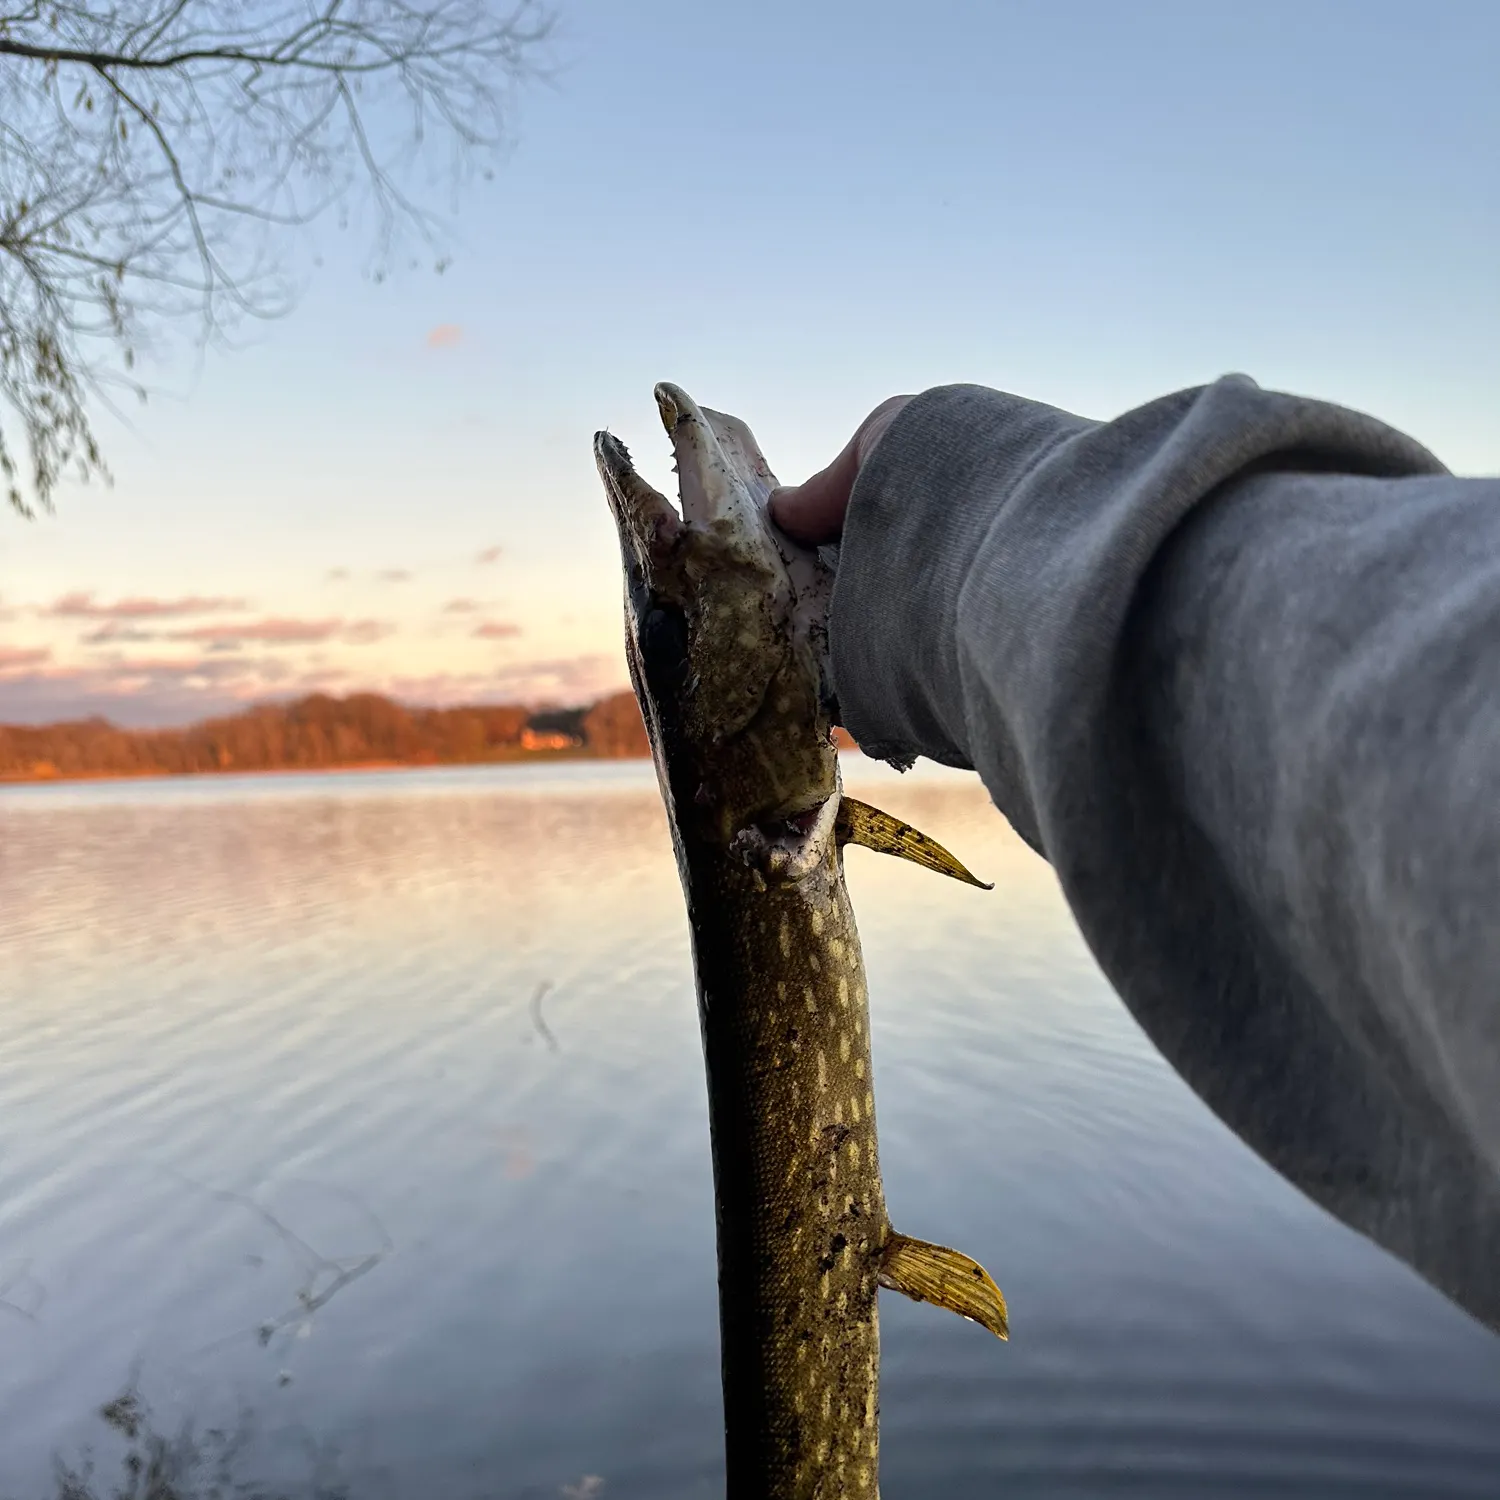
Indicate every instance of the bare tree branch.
{"type": "Point", "coordinates": [155, 155]}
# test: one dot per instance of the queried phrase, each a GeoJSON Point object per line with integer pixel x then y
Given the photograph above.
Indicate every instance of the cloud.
{"type": "Point", "coordinates": [229, 634]}
{"type": "Point", "coordinates": [335, 575]}
{"type": "Point", "coordinates": [495, 630]}
{"type": "Point", "coordinates": [489, 555]}
{"type": "Point", "coordinates": [112, 632]}
{"type": "Point", "coordinates": [462, 607]}
{"type": "Point", "coordinates": [571, 679]}
{"type": "Point", "coordinates": [445, 336]}
{"type": "Point", "coordinates": [154, 692]}
{"type": "Point", "coordinates": [13, 658]}
{"type": "Point", "coordinates": [142, 692]}
{"type": "Point", "coordinates": [394, 575]}
{"type": "Point", "coordinates": [127, 668]}
{"type": "Point", "coordinates": [284, 632]}
{"type": "Point", "coordinates": [72, 690]}
{"type": "Point", "coordinates": [363, 632]}
{"type": "Point", "coordinates": [83, 606]}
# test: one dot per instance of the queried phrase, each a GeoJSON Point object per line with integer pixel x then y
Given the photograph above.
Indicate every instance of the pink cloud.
{"type": "Point", "coordinates": [363, 632]}
{"type": "Point", "coordinates": [176, 666]}
{"type": "Point", "coordinates": [113, 632]}
{"type": "Point", "coordinates": [82, 606]}
{"type": "Point", "coordinates": [158, 691]}
{"type": "Point", "coordinates": [489, 555]}
{"type": "Point", "coordinates": [13, 658]}
{"type": "Point", "coordinates": [285, 632]}
{"type": "Point", "coordinates": [152, 691]}
{"type": "Point", "coordinates": [445, 336]}
{"type": "Point", "coordinates": [495, 630]}
{"type": "Point", "coordinates": [571, 679]}
{"type": "Point", "coordinates": [461, 607]}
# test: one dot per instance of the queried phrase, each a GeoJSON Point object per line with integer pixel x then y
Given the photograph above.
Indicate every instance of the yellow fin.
{"type": "Point", "coordinates": [859, 823]}
{"type": "Point", "coordinates": [933, 1273]}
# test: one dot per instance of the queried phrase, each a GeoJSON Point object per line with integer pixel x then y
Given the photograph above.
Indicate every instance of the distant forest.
{"type": "Point", "coordinates": [322, 732]}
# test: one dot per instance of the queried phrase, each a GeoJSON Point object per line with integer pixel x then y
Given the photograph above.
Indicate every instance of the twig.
{"type": "Point", "coordinates": [21, 1277]}
{"type": "Point", "coordinates": [536, 1016]}
{"type": "Point", "coordinates": [343, 1270]}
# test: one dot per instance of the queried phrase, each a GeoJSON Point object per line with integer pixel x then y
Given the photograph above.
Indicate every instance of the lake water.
{"type": "Point", "coordinates": [287, 1138]}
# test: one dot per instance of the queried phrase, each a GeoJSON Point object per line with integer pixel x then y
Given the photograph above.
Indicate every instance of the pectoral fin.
{"type": "Point", "coordinates": [859, 823]}
{"type": "Point", "coordinates": [933, 1273]}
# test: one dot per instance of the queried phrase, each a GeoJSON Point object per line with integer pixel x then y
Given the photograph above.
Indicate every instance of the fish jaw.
{"type": "Point", "coordinates": [725, 632]}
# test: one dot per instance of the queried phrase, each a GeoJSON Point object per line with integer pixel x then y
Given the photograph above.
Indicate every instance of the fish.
{"type": "Point", "coordinates": [726, 643]}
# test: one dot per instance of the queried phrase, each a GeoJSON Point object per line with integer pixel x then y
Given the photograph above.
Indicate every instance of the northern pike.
{"type": "Point", "coordinates": [725, 630]}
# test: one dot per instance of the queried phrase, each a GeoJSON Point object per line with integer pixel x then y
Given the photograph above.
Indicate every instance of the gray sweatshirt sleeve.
{"type": "Point", "coordinates": [1231, 663]}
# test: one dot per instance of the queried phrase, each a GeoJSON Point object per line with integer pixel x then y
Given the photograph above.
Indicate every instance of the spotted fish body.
{"type": "Point", "coordinates": [723, 622]}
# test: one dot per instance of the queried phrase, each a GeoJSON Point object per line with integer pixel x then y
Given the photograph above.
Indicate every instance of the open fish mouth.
{"type": "Point", "coordinates": [744, 610]}
{"type": "Point", "coordinates": [628, 493]}
{"type": "Point", "coordinates": [724, 483]}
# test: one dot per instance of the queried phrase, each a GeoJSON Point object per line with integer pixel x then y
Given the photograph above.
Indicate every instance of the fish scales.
{"type": "Point", "coordinates": [802, 1215]}
{"type": "Point", "coordinates": [723, 622]}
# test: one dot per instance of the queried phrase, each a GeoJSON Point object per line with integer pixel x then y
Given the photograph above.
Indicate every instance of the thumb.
{"type": "Point", "coordinates": [813, 512]}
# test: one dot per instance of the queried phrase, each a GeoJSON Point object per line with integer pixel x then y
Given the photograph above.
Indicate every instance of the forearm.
{"type": "Point", "coordinates": [1317, 665]}
{"type": "Point", "coordinates": [1176, 686]}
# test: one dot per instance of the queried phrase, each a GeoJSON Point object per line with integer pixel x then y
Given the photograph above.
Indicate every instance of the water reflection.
{"type": "Point", "coordinates": [257, 1033]}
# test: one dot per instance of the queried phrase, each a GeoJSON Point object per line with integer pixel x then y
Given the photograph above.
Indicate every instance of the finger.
{"type": "Point", "coordinates": [813, 512]}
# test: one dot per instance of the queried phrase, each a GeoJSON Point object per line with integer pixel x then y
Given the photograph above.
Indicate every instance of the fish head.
{"type": "Point", "coordinates": [725, 630]}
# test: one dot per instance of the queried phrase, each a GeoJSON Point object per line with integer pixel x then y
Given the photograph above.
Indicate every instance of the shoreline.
{"type": "Point", "coordinates": [320, 735]}
{"type": "Point", "coordinates": [524, 757]}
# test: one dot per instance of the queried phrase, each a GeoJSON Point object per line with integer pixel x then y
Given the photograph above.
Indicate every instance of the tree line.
{"type": "Point", "coordinates": [321, 732]}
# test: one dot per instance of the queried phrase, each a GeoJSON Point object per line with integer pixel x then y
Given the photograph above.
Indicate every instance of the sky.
{"type": "Point", "coordinates": [793, 210]}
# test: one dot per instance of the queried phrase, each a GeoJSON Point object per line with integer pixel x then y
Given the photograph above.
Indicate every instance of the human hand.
{"type": "Point", "coordinates": [813, 512]}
